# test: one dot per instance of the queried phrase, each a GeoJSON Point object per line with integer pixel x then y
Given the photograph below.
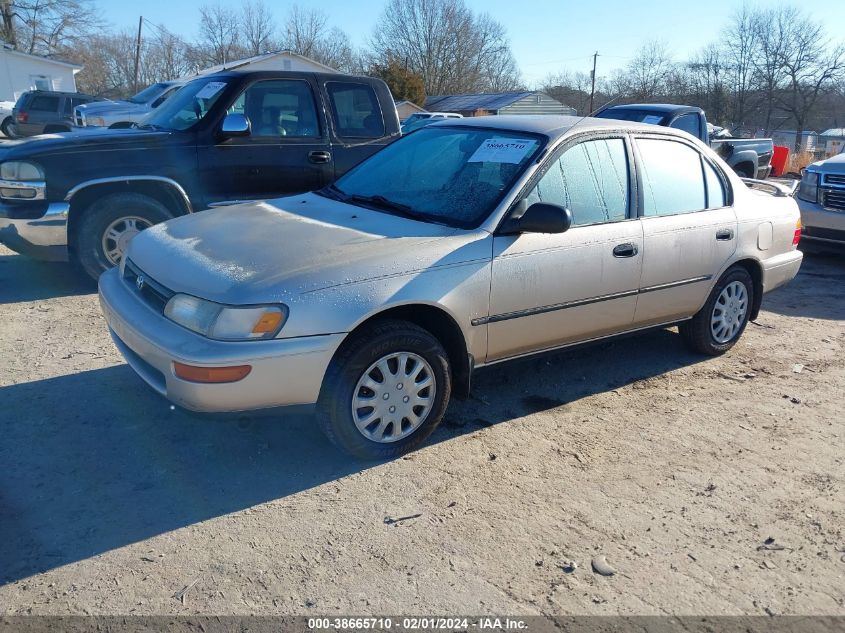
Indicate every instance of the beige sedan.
{"type": "Point", "coordinates": [464, 244]}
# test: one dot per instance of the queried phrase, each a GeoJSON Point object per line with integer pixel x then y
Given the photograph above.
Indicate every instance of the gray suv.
{"type": "Point", "coordinates": [46, 112]}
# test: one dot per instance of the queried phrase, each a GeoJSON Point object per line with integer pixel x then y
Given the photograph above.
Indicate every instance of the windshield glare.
{"type": "Point", "coordinates": [450, 175]}
{"type": "Point", "coordinates": [187, 106]}
{"type": "Point", "coordinates": [148, 94]}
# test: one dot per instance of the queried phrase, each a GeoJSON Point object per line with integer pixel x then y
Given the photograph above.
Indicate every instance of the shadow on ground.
{"type": "Point", "coordinates": [26, 279]}
{"type": "Point", "coordinates": [95, 460]}
{"type": "Point", "coordinates": [816, 292]}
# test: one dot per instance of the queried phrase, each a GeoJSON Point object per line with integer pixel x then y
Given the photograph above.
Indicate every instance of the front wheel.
{"type": "Point", "coordinates": [385, 391]}
{"type": "Point", "coordinates": [718, 325]}
{"type": "Point", "coordinates": [107, 226]}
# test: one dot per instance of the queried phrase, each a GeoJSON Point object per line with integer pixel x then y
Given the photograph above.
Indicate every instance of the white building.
{"type": "Point", "coordinates": [278, 60]}
{"type": "Point", "coordinates": [20, 72]}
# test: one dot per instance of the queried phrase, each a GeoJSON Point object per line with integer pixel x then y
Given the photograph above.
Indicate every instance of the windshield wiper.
{"type": "Point", "coordinates": [380, 202]}
{"type": "Point", "coordinates": [332, 192]}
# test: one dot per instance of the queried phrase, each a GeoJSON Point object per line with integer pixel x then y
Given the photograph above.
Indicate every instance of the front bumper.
{"type": "Point", "coordinates": [781, 269]}
{"type": "Point", "coordinates": [44, 237]}
{"type": "Point", "coordinates": [285, 372]}
{"type": "Point", "coordinates": [821, 224]}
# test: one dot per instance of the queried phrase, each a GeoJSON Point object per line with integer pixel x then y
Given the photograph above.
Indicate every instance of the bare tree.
{"type": "Point", "coordinates": [304, 30]}
{"type": "Point", "coordinates": [44, 27]}
{"type": "Point", "coordinates": [444, 42]}
{"type": "Point", "coordinates": [219, 34]}
{"type": "Point", "coordinates": [740, 50]}
{"type": "Point", "coordinates": [646, 76]}
{"type": "Point", "coordinates": [257, 27]}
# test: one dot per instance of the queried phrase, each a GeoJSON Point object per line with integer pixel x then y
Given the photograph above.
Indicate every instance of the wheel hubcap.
{"type": "Point", "coordinates": [393, 397]}
{"type": "Point", "coordinates": [117, 236]}
{"type": "Point", "coordinates": [729, 312]}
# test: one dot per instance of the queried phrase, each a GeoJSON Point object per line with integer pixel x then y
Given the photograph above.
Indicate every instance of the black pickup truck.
{"type": "Point", "coordinates": [749, 157]}
{"type": "Point", "coordinates": [222, 137]}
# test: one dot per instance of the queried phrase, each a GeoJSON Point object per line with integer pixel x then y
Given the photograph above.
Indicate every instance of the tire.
{"type": "Point", "coordinates": [105, 215]}
{"type": "Point", "coordinates": [7, 128]}
{"type": "Point", "coordinates": [355, 363]}
{"type": "Point", "coordinates": [707, 332]}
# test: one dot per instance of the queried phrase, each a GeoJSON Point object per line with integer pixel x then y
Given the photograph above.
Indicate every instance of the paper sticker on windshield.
{"type": "Point", "coordinates": [502, 150]}
{"type": "Point", "coordinates": [210, 89]}
{"type": "Point", "coordinates": [653, 119]}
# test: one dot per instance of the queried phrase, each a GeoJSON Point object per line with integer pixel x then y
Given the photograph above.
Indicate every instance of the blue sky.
{"type": "Point", "coordinates": [546, 35]}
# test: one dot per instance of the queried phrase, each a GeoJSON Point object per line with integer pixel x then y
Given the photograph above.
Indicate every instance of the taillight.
{"type": "Point", "coordinates": [23, 117]}
{"type": "Point", "coordinates": [796, 237]}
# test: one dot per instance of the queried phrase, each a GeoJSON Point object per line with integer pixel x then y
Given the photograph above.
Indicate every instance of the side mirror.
{"type": "Point", "coordinates": [235, 125]}
{"type": "Point", "coordinates": [540, 217]}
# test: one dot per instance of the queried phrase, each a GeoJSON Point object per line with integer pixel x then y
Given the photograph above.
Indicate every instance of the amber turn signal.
{"type": "Point", "coordinates": [269, 322]}
{"type": "Point", "coordinates": [211, 374]}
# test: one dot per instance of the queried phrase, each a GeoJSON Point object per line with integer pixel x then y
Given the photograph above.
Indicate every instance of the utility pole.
{"type": "Point", "coordinates": [138, 51]}
{"type": "Point", "coordinates": [593, 76]}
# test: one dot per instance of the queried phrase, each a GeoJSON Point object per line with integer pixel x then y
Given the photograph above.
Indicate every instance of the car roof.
{"type": "Point", "coordinates": [662, 108]}
{"type": "Point", "coordinates": [552, 125]}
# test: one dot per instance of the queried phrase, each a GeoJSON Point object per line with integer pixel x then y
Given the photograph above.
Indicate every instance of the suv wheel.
{"type": "Point", "coordinates": [107, 226]}
{"type": "Point", "coordinates": [7, 128]}
{"type": "Point", "coordinates": [718, 325]}
{"type": "Point", "coordinates": [385, 391]}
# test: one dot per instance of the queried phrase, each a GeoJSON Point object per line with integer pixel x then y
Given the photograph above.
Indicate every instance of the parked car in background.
{"type": "Point", "coordinates": [464, 244]}
{"type": "Point", "coordinates": [6, 108]}
{"type": "Point", "coordinates": [421, 119]}
{"type": "Point", "coordinates": [222, 137]}
{"type": "Point", "coordinates": [45, 112]}
{"type": "Point", "coordinates": [125, 113]}
{"type": "Point", "coordinates": [749, 157]}
{"type": "Point", "coordinates": [821, 197]}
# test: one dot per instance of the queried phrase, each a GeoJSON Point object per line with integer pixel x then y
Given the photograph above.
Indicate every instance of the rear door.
{"type": "Point", "coordinates": [549, 290]}
{"type": "Point", "coordinates": [41, 110]}
{"type": "Point", "coordinates": [286, 152]}
{"type": "Point", "coordinates": [359, 125]}
{"type": "Point", "coordinates": [689, 227]}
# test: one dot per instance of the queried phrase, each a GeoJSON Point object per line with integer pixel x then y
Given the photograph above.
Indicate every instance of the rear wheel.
{"type": "Point", "coordinates": [7, 128]}
{"type": "Point", "coordinates": [107, 226]}
{"type": "Point", "coordinates": [385, 391]}
{"type": "Point", "coordinates": [718, 325]}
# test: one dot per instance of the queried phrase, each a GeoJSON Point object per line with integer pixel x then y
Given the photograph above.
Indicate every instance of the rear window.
{"type": "Point", "coordinates": [44, 103]}
{"type": "Point", "coordinates": [629, 114]}
{"type": "Point", "coordinates": [355, 110]}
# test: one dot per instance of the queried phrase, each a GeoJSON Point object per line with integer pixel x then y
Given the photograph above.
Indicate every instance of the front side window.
{"type": "Point", "coordinates": [188, 106]}
{"type": "Point", "coordinates": [355, 110]}
{"type": "Point", "coordinates": [688, 123]}
{"type": "Point", "coordinates": [590, 179]}
{"type": "Point", "coordinates": [673, 180]}
{"type": "Point", "coordinates": [450, 175]}
{"type": "Point", "coordinates": [279, 107]}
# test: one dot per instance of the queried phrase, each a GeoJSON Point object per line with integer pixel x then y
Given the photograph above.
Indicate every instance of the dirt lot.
{"type": "Point", "coordinates": [676, 468]}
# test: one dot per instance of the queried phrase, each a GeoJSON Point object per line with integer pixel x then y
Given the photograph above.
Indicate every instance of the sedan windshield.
{"type": "Point", "coordinates": [448, 175]}
{"type": "Point", "coordinates": [188, 106]}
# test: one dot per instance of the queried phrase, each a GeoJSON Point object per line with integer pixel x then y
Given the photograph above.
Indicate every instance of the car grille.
{"type": "Point", "coordinates": [834, 199]}
{"type": "Point", "coordinates": [834, 179]}
{"type": "Point", "coordinates": [153, 293]}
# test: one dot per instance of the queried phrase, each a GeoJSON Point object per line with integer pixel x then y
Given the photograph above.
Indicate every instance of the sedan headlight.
{"type": "Point", "coordinates": [809, 188]}
{"type": "Point", "coordinates": [226, 323]}
{"type": "Point", "coordinates": [21, 171]}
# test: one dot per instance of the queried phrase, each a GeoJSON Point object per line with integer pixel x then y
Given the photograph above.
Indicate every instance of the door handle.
{"type": "Point", "coordinates": [724, 235]}
{"type": "Point", "coordinates": [628, 249]}
{"type": "Point", "coordinates": [319, 156]}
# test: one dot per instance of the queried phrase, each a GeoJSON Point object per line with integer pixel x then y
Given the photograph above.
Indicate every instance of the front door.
{"type": "Point", "coordinates": [550, 290]}
{"type": "Point", "coordinates": [286, 152]}
{"type": "Point", "coordinates": [689, 228]}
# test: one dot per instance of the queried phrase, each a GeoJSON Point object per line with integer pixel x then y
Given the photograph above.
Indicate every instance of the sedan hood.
{"type": "Point", "coordinates": [271, 251]}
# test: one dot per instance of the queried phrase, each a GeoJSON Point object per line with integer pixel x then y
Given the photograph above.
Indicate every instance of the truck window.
{"type": "Point", "coordinates": [44, 103]}
{"type": "Point", "coordinates": [355, 110]}
{"type": "Point", "coordinates": [688, 123]}
{"type": "Point", "coordinates": [673, 181]}
{"type": "Point", "coordinates": [279, 107]}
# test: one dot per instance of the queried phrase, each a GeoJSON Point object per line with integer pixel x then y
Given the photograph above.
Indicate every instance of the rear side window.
{"type": "Point", "coordinates": [355, 110]}
{"type": "Point", "coordinates": [590, 179]}
{"type": "Point", "coordinates": [673, 180]}
{"type": "Point", "coordinates": [716, 198]}
{"type": "Point", "coordinates": [44, 103]}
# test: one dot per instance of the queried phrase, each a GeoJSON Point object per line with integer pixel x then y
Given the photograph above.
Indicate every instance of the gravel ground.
{"type": "Point", "coordinates": [711, 486]}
